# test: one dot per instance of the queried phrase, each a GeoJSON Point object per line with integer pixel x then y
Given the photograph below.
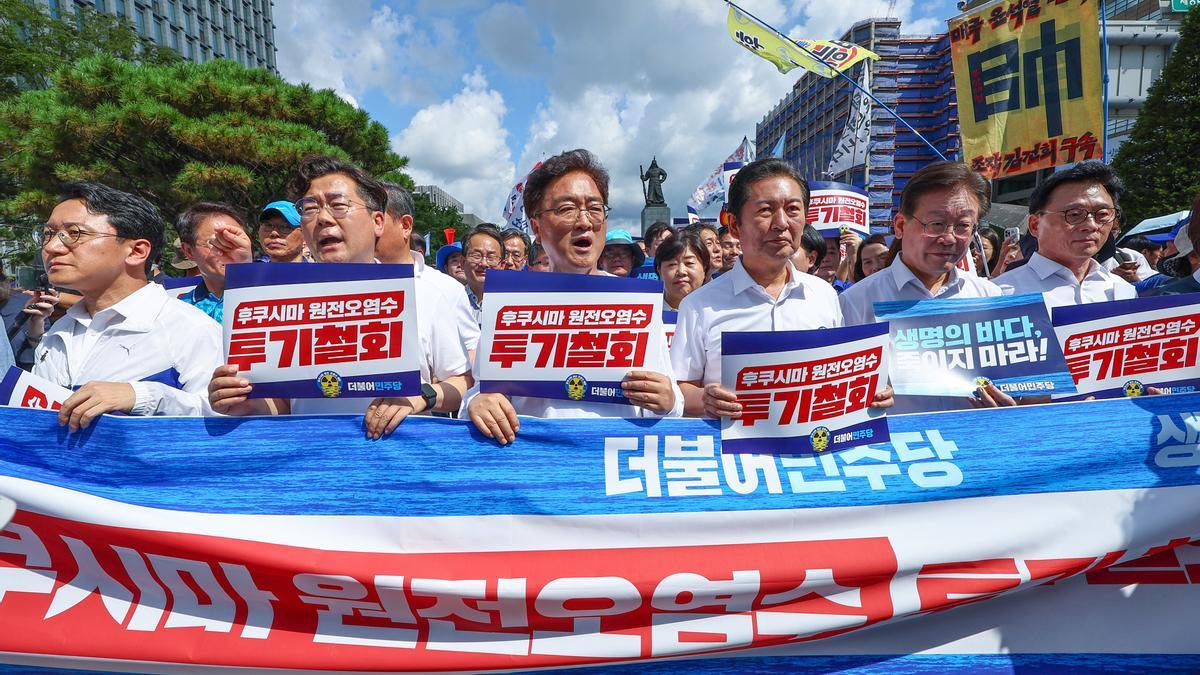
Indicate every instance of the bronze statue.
{"type": "Point", "coordinates": [652, 181]}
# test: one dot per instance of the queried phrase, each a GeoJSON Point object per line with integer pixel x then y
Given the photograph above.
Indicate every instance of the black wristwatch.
{"type": "Point", "coordinates": [430, 395]}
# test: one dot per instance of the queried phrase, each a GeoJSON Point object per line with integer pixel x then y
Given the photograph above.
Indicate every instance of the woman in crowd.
{"type": "Point", "coordinates": [684, 264]}
{"type": "Point", "coordinates": [872, 257]}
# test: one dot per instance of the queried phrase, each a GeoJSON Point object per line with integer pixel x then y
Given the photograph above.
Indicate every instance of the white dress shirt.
{"type": "Point", "coordinates": [464, 315]}
{"type": "Point", "coordinates": [1144, 270]}
{"type": "Point", "coordinates": [1058, 285]}
{"type": "Point", "coordinates": [165, 349]}
{"type": "Point", "coordinates": [442, 352]}
{"type": "Point", "coordinates": [897, 282]}
{"type": "Point", "coordinates": [551, 408]}
{"type": "Point", "coordinates": [736, 302]}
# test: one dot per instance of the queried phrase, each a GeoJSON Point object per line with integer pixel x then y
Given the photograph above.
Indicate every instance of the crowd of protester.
{"type": "Point", "coordinates": [124, 344]}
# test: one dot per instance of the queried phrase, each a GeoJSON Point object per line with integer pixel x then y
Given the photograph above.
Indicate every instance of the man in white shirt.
{"type": "Point", "coordinates": [395, 246]}
{"type": "Point", "coordinates": [1071, 215]}
{"type": "Point", "coordinates": [566, 200]}
{"type": "Point", "coordinates": [939, 210]}
{"type": "Point", "coordinates": [127, 346]}
{"type": "Point", "coordinates": [341, 216]}
{"type": "Point", "coordinates": [762, 291]}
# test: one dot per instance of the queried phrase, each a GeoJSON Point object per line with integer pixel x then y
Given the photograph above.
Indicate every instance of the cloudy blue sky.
{"type": "Point", "coordinates": [475, 92]}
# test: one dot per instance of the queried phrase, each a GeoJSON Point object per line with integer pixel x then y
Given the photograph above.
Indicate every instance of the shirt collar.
{"type": "Point", "coordinates": [903, 276]}
{"type": "Point", "coordinates": [742, 280]}
{"type": "Point", "coordinates": [201, 292]}
{"type": "Point", "coordinates": [138, 309]}
{"type": "Point", "coordinates": [1046, 268]}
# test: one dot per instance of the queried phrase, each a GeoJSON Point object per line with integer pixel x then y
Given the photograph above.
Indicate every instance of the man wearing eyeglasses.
{"type": "Point", "coordinates": [516, 249]}
{"type": "Point", "coordinates": [939, 211]}
{"type": "Point", "coordinates": [342, 215]}
{"type": "Point", "coordinates": [212, 235]}
{"type": "Point", "coordinates": [566, 199]}
{"type": "Point", "coordinates": [127, 346]}
{"type": "Point", "coordinates": [1071, 215]}
{"type": "Point", "coordinates": [483, 250]}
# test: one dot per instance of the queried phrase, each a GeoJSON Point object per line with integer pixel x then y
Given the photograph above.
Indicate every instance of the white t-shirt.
{"type": "Point", "coordinates": [166, 349]}
{"type": "Point", "coordinates": [735, 302]}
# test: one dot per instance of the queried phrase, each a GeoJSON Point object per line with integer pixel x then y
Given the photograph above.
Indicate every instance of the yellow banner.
{"type": "Point", "coordinates": [832, 55]}
{"type": "Point", "coordinates": [1028, 78]}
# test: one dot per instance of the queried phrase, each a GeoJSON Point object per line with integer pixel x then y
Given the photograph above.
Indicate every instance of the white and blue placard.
{"type": "Point", "coordinates": [951, 347]}
{"type": "Point", "coordinates": [1120, 348]}
{"type": "Point", "coordinates": [568, 336]}
{"type": "Point", "coordinates": [836, 207]}
{"type": "Point", "coordinates": [670, 318]}
{"type": "Point", "coordinates": [180, 286]}
{"type": "Point", "coordinates": [805, 391]}
{"type": "Point", "coordinates": [334, 330]}
{"type": "Point", "coordinates": [22, 389]}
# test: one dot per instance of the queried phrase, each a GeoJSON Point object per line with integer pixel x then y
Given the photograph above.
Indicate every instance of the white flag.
{"type": "Point", "coordinates": [851, 150]}
{"type": "Point", "coordinates": [713, 189]}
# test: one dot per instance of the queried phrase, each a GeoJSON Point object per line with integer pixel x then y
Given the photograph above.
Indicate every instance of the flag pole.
{"type": "Point", "coordinates": [844, 77]}
{"type": "Point", "coordinates": [1104, 67]}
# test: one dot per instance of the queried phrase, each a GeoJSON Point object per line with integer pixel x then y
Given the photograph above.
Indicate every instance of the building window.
{"type": "Point", "coordinates": [141, 22]}
{"type": "Point", "coordinates": [187, 22]}
{"type": "Point", "coordinates": [173, 13]}
{"type": "Point", "coordinates": [120, 7]}
{"type": "Point", "coordinates": [101, 6]}
{"type": "Point", "coordinates": [174, 39]}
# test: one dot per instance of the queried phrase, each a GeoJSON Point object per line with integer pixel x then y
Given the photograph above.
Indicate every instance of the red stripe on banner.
{"type": "Point", "coordinates": [94, 591]}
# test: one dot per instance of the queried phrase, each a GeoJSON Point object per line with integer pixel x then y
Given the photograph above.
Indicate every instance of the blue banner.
{"type": "Point", "coordinates": [951, 347]}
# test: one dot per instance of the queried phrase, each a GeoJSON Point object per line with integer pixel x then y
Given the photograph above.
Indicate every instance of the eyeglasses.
{"type": "Point", "coordinates": [1103, 215]}
{"type": "Point", "coordinates": [938, 228]}
{"type": "Point", "coordinates": [339, 208]}
{"type": "Point", "coordinates": [67, 236]}
{"type": "Point", "coordinates": [594, 213]}
{"type": "Point", "coordinates": [475, 257]}
{"type": "Point", "coordinates": [515, 256]}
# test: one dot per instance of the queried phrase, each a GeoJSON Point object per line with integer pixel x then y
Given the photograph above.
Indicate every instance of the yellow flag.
{"type": "Point", "coordinates": [833, 55]}
{"type": "Point", "coordinates": [1029, 87]}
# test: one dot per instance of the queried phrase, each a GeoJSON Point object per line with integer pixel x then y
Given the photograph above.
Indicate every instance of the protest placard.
{"type": "Point", "coordinates": [568, 336]}
{"type": "Point", "coordinates": [1119, 348]}
{"type": "Point", "coordinates": [180, 286]}
{"type": "Point", "coordinates": [951, 347]}
{"type": "Point", "coordinates": [22, 389]}
{"type": "Point", "coordinates": [804, 391]}
{"type": "Point", "coordinates": [835, 207]}
{"type": "Point", "coordinates": [323, 331]}
{"type": "Point", "coordinates": [670, 318]}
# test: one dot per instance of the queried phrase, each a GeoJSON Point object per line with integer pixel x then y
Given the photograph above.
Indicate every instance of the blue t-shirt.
{"type": "Point", "coordinates": [203, 299]}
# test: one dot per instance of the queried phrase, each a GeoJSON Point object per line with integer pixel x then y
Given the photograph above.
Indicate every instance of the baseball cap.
{"type": "Point", "coordinates": [444, 254]}
{"type": "Point", "coordinates": [283, 208]}
{"type": "Point", "coordinates": [623, 238]}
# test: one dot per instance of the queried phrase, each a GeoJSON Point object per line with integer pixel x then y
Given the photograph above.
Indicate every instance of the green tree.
{"type": "Point", "coordinates": [1158, 163]}
{"type": "Point", "coordinates": [176, 134]}
{"type": "Point", "coordinates": [433, 219]}
{"type": "Point", "coordinates": [33, 44]}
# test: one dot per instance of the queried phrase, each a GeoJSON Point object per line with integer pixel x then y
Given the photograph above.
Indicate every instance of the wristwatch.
{"type": "Point", "coordinates": [430, 395]}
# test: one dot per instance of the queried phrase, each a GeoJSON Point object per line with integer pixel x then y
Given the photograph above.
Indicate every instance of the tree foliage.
{"type": "Point", "coordinates": [176, 134]}
{"type": "Point", "coordinates": [1159, 162]}
{"type": "Point", "coordinates": [433, 219]}
{"type": "Point", "coordinates": [33, 44]}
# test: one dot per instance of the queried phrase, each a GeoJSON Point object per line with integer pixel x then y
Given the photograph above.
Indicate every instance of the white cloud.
{"type": "Point", "coordinates": [460, 144]}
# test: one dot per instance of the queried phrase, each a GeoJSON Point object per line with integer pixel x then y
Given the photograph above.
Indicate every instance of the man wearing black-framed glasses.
{"type": "Point", "coordinates": [127, 346]}
{"type": "Point", "coordinates": [1072, 215]}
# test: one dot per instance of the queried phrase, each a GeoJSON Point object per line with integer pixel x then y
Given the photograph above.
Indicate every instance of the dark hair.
{"type": "Point", "coordinates": [189, 221]}
{"type": "Point", "coordinates": [942, 175]}
{"type": "Point", "coordinates": [130, 215]}
{"type": "Point", "coordinates": [511, 233]}
{"type": "Point", "coordinates": [1140, 244]}
{"type": "Point", "coordinates": [1091, 171]}
{"type": "Point", "coordinates": [487, 230]}
{"type": "Point", "coordinates": [371, 191]}
{"type": "Point", "coordinates": [655, 231]}
{"type": "Point", "coordinates": [699, 227]}
{"type": "Point", "coordinates": [678, 244]}
{"type": "Point", "coordinates": [758, 170]}
{"type": "Point", "coordinates": [812, 241]}
{"type": "Point", "coordinates": [399, 201]}
{"type": "Point", "coordinates": [858, 270]}
{"type": "Point", "coordinates": [535, 249]}
{"type": "Point", "coordinates": [558, 166]}
{"type": "Point", "coordinates": [988, 232]}
{"type": "Point", "coordinates": [724, 231]}
{"type": "Point", "coordinates": [418, 241]}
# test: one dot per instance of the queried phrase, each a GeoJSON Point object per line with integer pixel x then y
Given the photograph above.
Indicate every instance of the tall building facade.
{"type": "Point", "coordinates": [914, 76]}
{"type": "Point", "coordinates": [200, 30]}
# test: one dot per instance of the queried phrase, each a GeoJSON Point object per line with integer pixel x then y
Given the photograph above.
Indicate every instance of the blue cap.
{"type": "Point", "coordinates": [444, 254]}
{"type": "Point", "coordinates": [623, 238]}
{"type": "Point", "coordinates": [283, 208]}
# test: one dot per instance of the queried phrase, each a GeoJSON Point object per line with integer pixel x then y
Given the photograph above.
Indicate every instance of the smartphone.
{"type": "Point", "coordinates": [26, 278]}
{"type": "Point", "coordinates": [1122, 256]}
{"type": "Point", "coordinates": [1013, 233]}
